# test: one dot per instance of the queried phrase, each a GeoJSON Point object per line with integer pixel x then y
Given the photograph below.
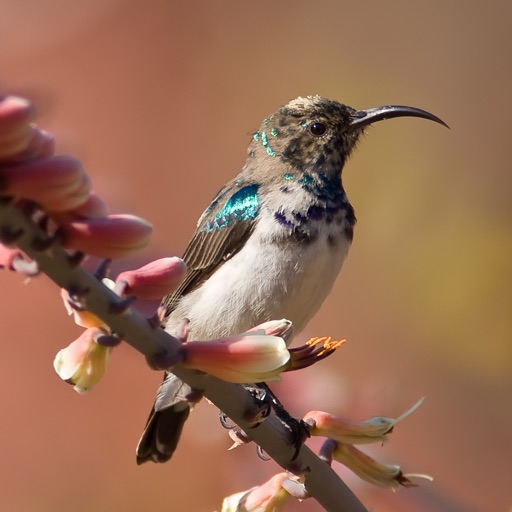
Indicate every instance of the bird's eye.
{"type": "Point", "coordinates": [317, 129]}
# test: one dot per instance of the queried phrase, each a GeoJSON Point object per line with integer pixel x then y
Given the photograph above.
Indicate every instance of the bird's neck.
{"type": "Point", "coordinates": [307, 203]}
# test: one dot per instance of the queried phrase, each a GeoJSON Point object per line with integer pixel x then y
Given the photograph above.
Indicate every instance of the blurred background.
{"type": "Point", "coordinates": [158, 99]}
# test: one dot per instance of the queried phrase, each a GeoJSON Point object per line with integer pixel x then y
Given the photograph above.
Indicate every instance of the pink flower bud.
{"type": "Point", "coordinates": [39, 144]}
{"type": "Point", "coordinates": [83, 362]}
{"type": "Point", "coordinates": [154, 280]}
{"type": "Point", "coordinates": [241, 359]}
{"type": "Point", "coordinates": [114, 236]}
{"type": "Point", "coordinates": [93, 208]}
{"type": "Point", "coordinates": [350, 431]}
{"type": "Point", "coordinates": [16, 114]}
{"type": "Point", "coordinates": [57, 183]}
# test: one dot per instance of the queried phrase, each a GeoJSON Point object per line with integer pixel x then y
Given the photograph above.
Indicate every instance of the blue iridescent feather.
{"type": "Point", "coordinates": [243, 205]}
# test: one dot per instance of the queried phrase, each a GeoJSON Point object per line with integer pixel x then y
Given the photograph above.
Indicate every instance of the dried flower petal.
{"type": "Point", "coordinates": [382, 475]}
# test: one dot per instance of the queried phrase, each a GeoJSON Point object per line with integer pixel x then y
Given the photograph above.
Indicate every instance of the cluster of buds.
{"type": "Point", "coordinates": [32, 177]}
{"type": "Point", "coordinates": [342, 434]}
{"type": "Point", "coordinates": [83, 362]}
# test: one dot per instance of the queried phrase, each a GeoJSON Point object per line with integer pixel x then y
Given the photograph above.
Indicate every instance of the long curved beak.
{"type": "Point", "coordinates": [362, 118]}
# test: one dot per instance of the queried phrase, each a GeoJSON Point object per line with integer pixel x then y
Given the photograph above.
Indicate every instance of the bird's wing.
{"type": "Point", "coordinates": [221, 232]}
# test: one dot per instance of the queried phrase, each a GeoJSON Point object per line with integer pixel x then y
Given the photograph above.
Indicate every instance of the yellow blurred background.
{"type": "Point", "coordinates": [158, 98]}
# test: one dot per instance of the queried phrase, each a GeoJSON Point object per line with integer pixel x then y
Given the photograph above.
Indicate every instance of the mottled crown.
{"type": "Point", "coordinates": [316, 105]}
{"type": "Point", "coordinates": [308, 133]}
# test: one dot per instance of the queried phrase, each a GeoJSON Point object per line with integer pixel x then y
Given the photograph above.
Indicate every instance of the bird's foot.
{"type": "Point", "coordinates": [299, 429]}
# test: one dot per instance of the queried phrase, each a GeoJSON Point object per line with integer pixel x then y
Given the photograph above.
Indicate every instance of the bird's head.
{"type": "Point", "coordinates": [314, 133]}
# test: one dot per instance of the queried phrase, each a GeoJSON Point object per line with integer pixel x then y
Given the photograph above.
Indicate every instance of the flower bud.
{"type": "Point", "coordinates": [268, 497]}
{"type": "Point", "coordinates": [16, 114]}
{"type": "Point", "coordinates": [382, 475]}
{"type": "Point", "coordinates": [241, 359]}
{"type": "Point", "coordinates": [56, 183]}
{"type": "Point", "coordinates": [114, 236]}
{"type": "Point", "coordinates": [354, 431]}
{"type": "Point", "coordinates": [154, 280]}
{"type": "Point", "coordinates": [83, 362]}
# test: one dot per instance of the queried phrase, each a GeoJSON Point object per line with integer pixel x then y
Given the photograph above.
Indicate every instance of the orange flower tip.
{"type": "Point", "coordinates": [326, 341]}
{"type": "Point", "coordinates": [314, 350]}
{"type": "Point", "coordinates": [154, 280]}
{"type": "Point", "coordinates": [114, 236]}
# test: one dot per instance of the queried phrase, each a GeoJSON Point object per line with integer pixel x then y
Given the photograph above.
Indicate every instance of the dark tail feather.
{"type": "Point", "coordinates": [162, 433]}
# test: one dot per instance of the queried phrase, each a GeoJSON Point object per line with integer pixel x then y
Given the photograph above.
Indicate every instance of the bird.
{"type": "Point", "coordinates": [271, 243]}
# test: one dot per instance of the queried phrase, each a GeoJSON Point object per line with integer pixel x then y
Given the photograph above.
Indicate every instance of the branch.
{"type": "Point", "coordinates": [234, 400]}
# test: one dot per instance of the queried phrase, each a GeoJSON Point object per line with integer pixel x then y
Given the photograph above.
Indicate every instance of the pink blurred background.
{"type": "Point", "coordinates": [158, 98]}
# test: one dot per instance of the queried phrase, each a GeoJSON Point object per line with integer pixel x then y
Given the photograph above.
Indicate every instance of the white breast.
{"type": "Point", "coordinates": [264, 281]}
